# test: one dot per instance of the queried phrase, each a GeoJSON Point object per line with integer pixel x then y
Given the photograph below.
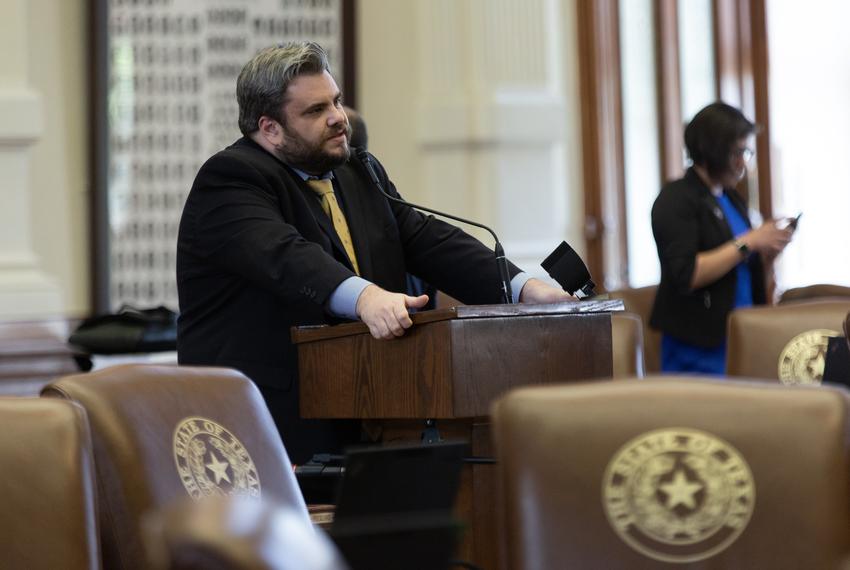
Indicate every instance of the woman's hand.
{"type": "Point", "coordinates": [768, 239]}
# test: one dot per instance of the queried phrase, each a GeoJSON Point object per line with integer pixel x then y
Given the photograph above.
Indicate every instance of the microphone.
{"type": "Point", "coordinates": [501, 262]}
{"type": "Point", "coordinates": [566, 267]}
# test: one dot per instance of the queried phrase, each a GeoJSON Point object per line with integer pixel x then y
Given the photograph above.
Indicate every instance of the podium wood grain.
{"type": "Point", "coordinates": [450, 366]}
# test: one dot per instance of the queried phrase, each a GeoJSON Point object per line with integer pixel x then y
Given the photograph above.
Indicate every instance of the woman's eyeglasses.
{"type": "Point", "coordinates": [746, 153]}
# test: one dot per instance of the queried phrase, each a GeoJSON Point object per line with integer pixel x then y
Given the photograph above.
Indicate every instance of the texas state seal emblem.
{"type": "Point", "coordinates": [678, 494]}
{"type": "Point", "coordinates": [804, 357]}
{"type": "Point", "coordinates": [212, 461]}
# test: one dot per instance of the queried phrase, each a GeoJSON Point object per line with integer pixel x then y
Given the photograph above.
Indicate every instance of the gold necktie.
{"type": "Point", "coordinates": [325, 190]}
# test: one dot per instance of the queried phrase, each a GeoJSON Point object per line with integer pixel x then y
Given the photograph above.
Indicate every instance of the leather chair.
{"type": "Point", "coordinates": [640, 301]}
{"type": "Point", "coordinates": [161, 433]}
{"type": "Point", "coordinates": [786, 342]}
{"type": "Point", "coordinates": [229, 533]}
{"type": "Point", "coordinates": [813, 292]}
{"type": "Point", "coordinates": [47, 483]}
{"type": "Point", "coordinates": [627, 345]}
{"type": "Point", "coordinates": [674, 471]}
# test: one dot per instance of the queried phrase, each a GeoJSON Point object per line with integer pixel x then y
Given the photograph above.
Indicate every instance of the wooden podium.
{"type": "Point", "coordinates": [449, 367]}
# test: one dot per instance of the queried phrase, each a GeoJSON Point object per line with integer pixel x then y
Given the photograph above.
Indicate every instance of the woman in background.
{"type": "Point", "coordinates": [711, 258]}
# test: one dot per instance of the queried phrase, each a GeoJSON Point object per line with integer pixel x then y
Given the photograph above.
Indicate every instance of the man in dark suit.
{"type": "Point", "coordinates": [285, 228]}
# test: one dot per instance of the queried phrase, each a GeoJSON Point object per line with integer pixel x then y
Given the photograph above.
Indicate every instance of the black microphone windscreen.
{"type": "Point", "coordinates": [566, 267]}
{"type": "Point", "coordinates": [363, 156]}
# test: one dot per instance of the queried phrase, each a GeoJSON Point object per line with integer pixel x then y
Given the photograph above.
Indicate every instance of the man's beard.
{"type": "Point", "coordinates": [311, 158]}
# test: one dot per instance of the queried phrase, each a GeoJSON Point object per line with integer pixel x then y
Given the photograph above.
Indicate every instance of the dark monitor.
{"type": "Point", "coordinates": [837, 367]}
{"type": "Point", "coordinates": [395, 507]}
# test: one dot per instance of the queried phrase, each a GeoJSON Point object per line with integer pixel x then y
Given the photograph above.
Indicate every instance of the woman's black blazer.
{"type": "Point", "coordinates": [687, 220]}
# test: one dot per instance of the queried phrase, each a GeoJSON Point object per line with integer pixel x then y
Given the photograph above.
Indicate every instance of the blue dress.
{"type": "Point", "coordinates": [678, 356]}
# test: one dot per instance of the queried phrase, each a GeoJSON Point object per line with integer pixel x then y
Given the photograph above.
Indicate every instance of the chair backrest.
{"type": "Point", "coordinates": [642, 474]}
{"type": "Point", "coordinates": [640, 301]}
{"type": "Point", "coordinates": [814, 291]}
{"type": "Point", "coordinates": [161, 433]}
{"type": "Point", "coordinates": [231, 533]}
{"type": "Point", "coordinates": [47, 483]}
{"type": "Point", "coordinates": [627, 345]}
{"type": "Point", "coordinates": [786, 342]}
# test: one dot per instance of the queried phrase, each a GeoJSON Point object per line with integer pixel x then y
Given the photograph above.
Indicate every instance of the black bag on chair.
{"type": "Point", "coordinates": [127, 331]}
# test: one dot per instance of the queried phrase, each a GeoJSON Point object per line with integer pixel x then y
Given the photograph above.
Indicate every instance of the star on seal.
{"type": "Point", "coordinates": [212, 461]}
{"type": "Point", "coordinates": [678, 494]}
{"type": "Point", "coordinates": [680, 491]}
{"type": "Point", "coordinates": [803, 359]}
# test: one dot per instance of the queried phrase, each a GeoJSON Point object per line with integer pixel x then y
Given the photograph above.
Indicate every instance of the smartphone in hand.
{"type": "Point", "coordinates": [792, 223]}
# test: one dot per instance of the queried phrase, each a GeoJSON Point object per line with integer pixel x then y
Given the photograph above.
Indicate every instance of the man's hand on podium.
{"type": "Point", "coordinates": [537, 291]}
{"type": "Point", "coordinates": [386, 313]}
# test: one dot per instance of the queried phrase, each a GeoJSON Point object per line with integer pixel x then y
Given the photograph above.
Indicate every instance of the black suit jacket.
{"type": "Point", "coordinates": [256, 255]}
{"type": "Point", "coordinates": [687, 220]}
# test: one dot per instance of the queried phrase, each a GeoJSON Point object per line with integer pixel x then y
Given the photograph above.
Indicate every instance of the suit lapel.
{"type": "Point", "coordinates": [326, 225]}
{"type": "Point", "coordinates": [354, 208]}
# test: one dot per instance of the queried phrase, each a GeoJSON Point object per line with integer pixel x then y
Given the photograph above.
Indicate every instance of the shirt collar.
{"type": "Point", "coordinates": [305, 176]}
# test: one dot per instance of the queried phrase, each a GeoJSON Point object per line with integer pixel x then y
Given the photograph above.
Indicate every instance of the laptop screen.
{"type": "Point", "coordinates": [389, 480]}
{"type": "Point", "coordinates": [837, 366]}
{"type": "Point", "coordinates": [395, 507]}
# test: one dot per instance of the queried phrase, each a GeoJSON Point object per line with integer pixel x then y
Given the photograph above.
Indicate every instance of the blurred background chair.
{"type": "Point", "coordinates": [640, 301]}
{"type": "Point", "coordinates": [642, 474]}
{"type": "Point", "coordinates": [232, 533]}
{"type": "Point", "coordinates": [161, 433]}
{"type": "Point", "coordinates": [33, 354]}
{"type": "Point", "coordinates": [47, 483]}
{"type": "Point", "coordinates": [627, 347]}
{"type": "Point", "coordinates": [765, 342]}
{"type": "Point", "coordinates": [814, 291]}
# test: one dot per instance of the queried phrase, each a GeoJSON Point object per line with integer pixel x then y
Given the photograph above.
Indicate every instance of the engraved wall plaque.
{"type": "Point", "coordinates": [167, 74]}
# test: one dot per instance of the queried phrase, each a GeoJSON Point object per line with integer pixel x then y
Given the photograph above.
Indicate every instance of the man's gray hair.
{"type": "Point", "coordinates": [261, 87]}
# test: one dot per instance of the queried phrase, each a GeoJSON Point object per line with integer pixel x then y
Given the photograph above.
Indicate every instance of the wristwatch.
{"type": "Point", "coordinates": [743, 248]}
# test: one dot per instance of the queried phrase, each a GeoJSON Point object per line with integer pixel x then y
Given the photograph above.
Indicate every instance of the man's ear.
{"type": "Point", "coordinates": [270, 130]}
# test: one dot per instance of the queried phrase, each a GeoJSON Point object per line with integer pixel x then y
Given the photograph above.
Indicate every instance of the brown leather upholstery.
{"type": "Point", "coordinates": [236, 534]}
{"type": "Point", "coordinates": [627, 345]}
{"type": "Point", "coordinates": [639, 301]}
{"type": "Point", "coordinates": [47, 486]}
{"type": "Point", "coordinates": [161, 433]}
{"type": "Point", "coordinates": [758, 337]}
{"type": "Point", "coordinates": [814, 291]}
{"type": "Point", "coordinates": [722, 474]}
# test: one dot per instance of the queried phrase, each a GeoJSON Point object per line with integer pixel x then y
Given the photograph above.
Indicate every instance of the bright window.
{"type": "Point", "coordinates": [809, 50]}
{"type": "Point", "coordinates": [696, 56]}
{"type": "Point", "coordinates": [640, 137]}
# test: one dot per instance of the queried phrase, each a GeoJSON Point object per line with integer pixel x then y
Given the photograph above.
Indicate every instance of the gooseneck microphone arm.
{"type": "Point", "coordinates": [501, 262]}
